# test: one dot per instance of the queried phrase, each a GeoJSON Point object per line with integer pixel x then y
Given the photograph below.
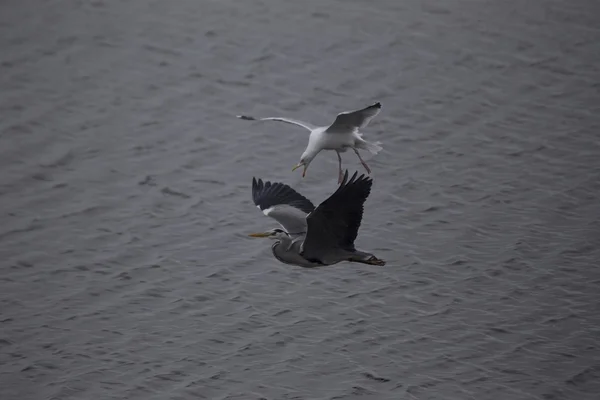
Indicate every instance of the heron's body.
{"type": "Point", "coordinates": [292, 255]}
{"type": "Point", "coordinates": [315, 237]}
{"type": "Point", "coordinates": [341, 135]}
{"type": "Point", "coordinates": [288, 252]}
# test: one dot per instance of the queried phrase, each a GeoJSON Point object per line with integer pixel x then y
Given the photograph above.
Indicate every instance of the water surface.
{"type": "Point", "coordinates": [125, 197]}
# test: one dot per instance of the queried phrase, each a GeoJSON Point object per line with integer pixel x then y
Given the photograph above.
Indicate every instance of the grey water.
{"type": "Point", "coordinates": [125, 267]}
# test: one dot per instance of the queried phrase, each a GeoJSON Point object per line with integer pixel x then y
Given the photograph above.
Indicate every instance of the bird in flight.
{"type": "Point", "coordinates": [314, 237]}
{"type": "Point", "coordinates": [341, 135]}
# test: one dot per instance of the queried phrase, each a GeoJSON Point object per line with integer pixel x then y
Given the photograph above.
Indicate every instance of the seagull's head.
{"type": "Point", "coordinates": [305, 160]}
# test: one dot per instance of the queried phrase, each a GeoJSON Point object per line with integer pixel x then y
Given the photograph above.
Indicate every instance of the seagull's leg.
{"type": "Point", "coordinates": [362, 161]}
{"type": "Point", "coordinates": [340, 174]}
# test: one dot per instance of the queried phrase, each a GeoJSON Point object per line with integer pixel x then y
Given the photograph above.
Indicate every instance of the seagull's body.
{"type": "Point", "coordinates": [314, 237]}
{"type": "Point", "coordinates": [341, 135]}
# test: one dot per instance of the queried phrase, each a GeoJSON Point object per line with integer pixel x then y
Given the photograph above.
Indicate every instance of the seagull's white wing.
{"type": "Point", "coordinates": [351, 121]}
{"type": "Point", "coordinates": [282, 203]}
{"type": "Point", "coordinates": [305, 125]}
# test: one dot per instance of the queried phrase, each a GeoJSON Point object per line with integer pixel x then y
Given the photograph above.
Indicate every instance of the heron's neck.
{"type": "Point", "coordinates": [284, 244]}
{"type": "Point", "coordinates": [285, 240]}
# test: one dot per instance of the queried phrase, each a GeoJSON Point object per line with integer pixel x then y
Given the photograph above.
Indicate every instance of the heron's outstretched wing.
{"type": "Point", "coordinates": [350, 121]}
{"type": "Point", "coordinates": [282, 203]}
{"type": "Point", "coordinates": [334, 223]}
{"type": "Point", "coordinates": [305, 125]}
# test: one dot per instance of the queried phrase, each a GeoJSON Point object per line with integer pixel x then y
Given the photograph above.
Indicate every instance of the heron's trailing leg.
{"type": "Point", "coordinates": [375, 261]}
{"type": "Point", "coordinates": [366, 258]}
{"type": "Point", "coordinates": [361, 161]}
{"type": "Point", "coordinates": [340, 174]}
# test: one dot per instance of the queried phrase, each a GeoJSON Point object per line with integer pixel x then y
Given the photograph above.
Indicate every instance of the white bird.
{"type": "Point", "coordinates": [341, 135]}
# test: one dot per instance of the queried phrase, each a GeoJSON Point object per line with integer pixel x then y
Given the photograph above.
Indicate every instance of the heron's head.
{"type": "Point", "coordinates": [305, 160]}
{"type": "Point", "coordinates": [275, 234]}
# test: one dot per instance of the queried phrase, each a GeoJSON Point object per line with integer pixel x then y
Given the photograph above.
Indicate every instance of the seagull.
{"type": "Point", "coordinates": [315, 236]}
{"type": "Point", "coordinates": [341, 135]}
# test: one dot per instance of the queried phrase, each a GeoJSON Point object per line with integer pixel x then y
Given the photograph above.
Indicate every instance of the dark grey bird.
{"type": "Point", "coordinates": [314, 237]}
{"type": "Point", "coordinates": [341, 135]}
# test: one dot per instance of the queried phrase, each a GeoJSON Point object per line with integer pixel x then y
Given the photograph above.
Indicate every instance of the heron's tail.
{"type": "Point", "coordinates": [372, 148]}
{"type": "Point", "coordinates": [366, 258]}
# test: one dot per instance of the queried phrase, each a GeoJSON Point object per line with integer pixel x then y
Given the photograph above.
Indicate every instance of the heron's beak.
{"type": "Point", "coordinates": [260, 235]}
{"type": "Point", "coordinates": [298, 166]}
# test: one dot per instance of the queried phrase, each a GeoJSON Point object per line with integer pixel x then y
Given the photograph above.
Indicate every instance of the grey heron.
{"type": "Point", "coordinates": [314, 237]}
{"type": "Point", "coordinates": [341, 135]}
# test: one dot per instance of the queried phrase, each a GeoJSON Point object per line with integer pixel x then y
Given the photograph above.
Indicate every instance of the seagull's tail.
{"type": "Point", "coordinates": [372, 148]}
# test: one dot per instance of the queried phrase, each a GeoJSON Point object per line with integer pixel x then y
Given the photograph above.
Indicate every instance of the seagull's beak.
{"type": "Point", "coordinates": [260, 235]}
{"type": "Point", "coordinates": [298, 166]}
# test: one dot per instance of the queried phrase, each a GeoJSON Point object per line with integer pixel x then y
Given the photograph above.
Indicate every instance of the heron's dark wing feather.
{"type": "Point", "coordinates": [267, 194]}
{"type": "Point", "coordinates": [334, 223]}
{"type": "Point", "coordinates": [353, 120]}
{"type": "Point", "coordinates": [282, 203]}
